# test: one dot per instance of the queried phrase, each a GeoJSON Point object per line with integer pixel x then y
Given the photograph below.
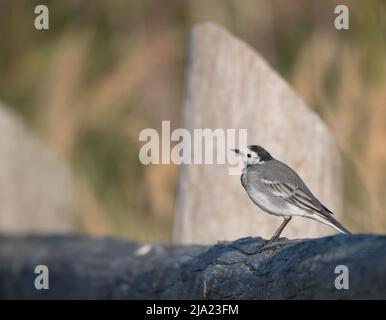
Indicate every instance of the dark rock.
{"type": "Point", "coordinates": [250, 268]}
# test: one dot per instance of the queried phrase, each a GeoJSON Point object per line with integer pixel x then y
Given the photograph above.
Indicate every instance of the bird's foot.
{"type": "Point", "coordinates": [249, 245]}
{"type": "Point", "coordinates": [276, 239]}
{"type": "Point", "coordinates": [251, 250]}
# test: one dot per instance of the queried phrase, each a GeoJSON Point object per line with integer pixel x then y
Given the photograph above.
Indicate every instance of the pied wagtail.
{"type": "Point", "coordinates": [277, 189]}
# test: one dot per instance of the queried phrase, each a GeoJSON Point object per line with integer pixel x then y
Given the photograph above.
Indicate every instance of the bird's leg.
{"type": "Point", "coordinates": [280, 229]}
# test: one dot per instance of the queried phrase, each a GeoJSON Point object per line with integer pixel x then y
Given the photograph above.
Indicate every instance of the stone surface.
{"type": "Point", "coordinates": [229, 85]}
{"type": "Point", "coordinates": [35, 187]}
{"type": "Point", "coordinates": [250, 268]}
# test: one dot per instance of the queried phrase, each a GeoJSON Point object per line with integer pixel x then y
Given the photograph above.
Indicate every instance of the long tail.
{"type": "Point", "coordinates": [338, 226]}
{"type": "Point", "coordinates": [332, 222]}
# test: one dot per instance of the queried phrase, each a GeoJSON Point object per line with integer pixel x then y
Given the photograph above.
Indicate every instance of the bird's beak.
{"type": "Point", "coordinates": [237, 151]}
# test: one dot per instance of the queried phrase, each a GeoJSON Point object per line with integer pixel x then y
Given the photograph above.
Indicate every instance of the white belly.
{"type": "Point", "coordinates": [279, 207]}
{"type": "Point", "coordinates": [276, 207]}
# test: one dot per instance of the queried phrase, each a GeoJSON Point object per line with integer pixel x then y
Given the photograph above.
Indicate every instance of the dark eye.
{"type": "Point", "coordinates": [248, 155]}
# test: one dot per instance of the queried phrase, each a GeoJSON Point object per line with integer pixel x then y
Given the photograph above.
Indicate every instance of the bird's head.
{"type": "Point", "coordinates": [253, 154]}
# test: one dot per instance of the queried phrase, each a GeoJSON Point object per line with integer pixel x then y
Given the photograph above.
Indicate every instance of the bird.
{"type": "Point", "coordinates": [278, 190]}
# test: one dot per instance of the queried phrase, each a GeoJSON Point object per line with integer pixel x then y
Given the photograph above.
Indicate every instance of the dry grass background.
{"type": "Point", "coordinates": [105, 70]}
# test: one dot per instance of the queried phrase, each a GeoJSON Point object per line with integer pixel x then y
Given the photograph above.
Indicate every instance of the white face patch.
{"type": "Point", "coordinates": [249, 157]}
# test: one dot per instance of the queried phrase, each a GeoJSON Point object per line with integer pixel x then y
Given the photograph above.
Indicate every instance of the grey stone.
{"type": "Point", "coordinates": [35, 186]}
{"type": "Point", "coordinates": [229, 85]}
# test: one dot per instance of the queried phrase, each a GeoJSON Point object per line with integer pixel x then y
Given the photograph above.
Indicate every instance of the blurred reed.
{"type": "Point", "coordinates": [105, 71]}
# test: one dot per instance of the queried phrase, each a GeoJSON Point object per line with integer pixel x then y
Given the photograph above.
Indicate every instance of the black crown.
{"type": "Point", "coordinates": [261, 152]}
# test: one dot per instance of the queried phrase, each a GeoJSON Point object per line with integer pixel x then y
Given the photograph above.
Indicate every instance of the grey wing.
{"type": "Point", "coordinates": [294, 195]}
